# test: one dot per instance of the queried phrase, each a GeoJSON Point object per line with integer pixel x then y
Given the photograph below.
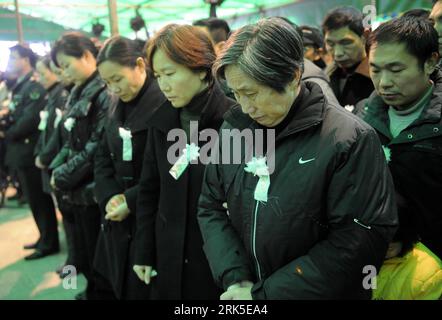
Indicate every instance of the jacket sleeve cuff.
{"type": "Point", "coordinates": [131, 198]}
{"type": "Point", "coordinates": [144, 258]}
{"type": "Point", "coordinates": [258, 292]}
{"type": "Point", "coordinates": [235, 276]}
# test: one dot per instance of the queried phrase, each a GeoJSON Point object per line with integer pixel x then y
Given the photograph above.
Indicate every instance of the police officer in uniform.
{"type": "Point", "coordinates": [28, 99]}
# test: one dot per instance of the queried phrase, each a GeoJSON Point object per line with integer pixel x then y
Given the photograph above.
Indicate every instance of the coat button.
{"type": "Point", "coordinates": [298, 270]}
{"type": "Point", "coordinates": [102, 227]}
{"type": "Point", "coordinates": [435, 130]}
{"type": "Point", "coordinates": [410, 136]}
{"type": "Point", "coordinates": [186, 261]}
{"type": "Point", "coordinates": [26, 141]}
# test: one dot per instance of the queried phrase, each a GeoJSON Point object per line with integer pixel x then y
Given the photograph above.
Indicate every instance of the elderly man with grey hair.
{"type": "Point", "coordinates": [307, 228]}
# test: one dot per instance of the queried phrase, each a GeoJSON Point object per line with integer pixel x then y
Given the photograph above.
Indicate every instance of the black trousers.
{"type": "Point", "coordinates": [42, 208]}
{"type": "Point", "coordinates": [87, 221]}
{"type": "Point", "coordinates": [68, 211]}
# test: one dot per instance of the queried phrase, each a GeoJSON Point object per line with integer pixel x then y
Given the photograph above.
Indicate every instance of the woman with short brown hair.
{"type": "Point", "coordinates": [168, 239]}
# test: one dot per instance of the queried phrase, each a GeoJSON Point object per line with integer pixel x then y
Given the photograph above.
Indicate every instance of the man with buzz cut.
{"type": "Point", "coordinates": [405, 110]}
{"type": "Point", "coordinates": [436, 19]}
{"type": "Point", "coordinates": [345, 38]}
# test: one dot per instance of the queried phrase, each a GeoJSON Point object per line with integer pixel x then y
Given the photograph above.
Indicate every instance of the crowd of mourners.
{"type": "Point", "coordinates": [355, 117]}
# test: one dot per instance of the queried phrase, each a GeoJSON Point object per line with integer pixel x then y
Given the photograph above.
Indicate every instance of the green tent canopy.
{"type": "Point", "coordinates": [34, 29]}
{"type": "Point", "coordinates": [82, 14]}
{"type": "Point", "coordinates": [45, 20]}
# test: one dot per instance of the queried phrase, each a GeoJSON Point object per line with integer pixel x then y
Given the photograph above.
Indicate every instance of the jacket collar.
{"type": "Point", "coordinates": [21, 81]}
{"type": "Point", "coordinates": [168, 117]}
{"type": "Point", "coordinates": [310, 110]}
{"type": "Point", "coordinates": [55, 91]}
{"type": "Point", "coordinates": [362, 69]}
{"type": "Point", "coordinates": [85, 94]}
{"type": "Point", "coordinates": [147, 104]}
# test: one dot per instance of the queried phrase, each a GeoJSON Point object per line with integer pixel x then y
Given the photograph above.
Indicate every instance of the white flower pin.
{"type": "Point", "coordinates": [387, 153]}
{"type": "Point", "coordinates": [258, 167]}
{"type": "Point", "coordinates": [69, 123]}
{"type": "Point", "coordinates": [190, 153]}
{"type": "Point", "coordinates": [126, 136]}
{"type": "Point", "coordinates": [44, 114]}
{"type": "Point", "coordinates": [349, 107]}
{"type": "Point", "coordinates": [58, 117]}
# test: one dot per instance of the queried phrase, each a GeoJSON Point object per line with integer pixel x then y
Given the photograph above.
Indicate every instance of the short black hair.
{"type": "Point", "coordinates": [312, 36]}
{"type": "Point", "coordinates": [417, 13]}
{"type": "Point", "coordinates": [418, 35]}
{"type": "Point", "coordinates": [213, 23]}
{"type": "Point", "coordinates": [25, 52]}
{"type": "Point", "coordinates": [344, 17]}
{"type": "Point", "coordinates": [122, 51]}
{"type": "Point", "coordinates": [73, 44]}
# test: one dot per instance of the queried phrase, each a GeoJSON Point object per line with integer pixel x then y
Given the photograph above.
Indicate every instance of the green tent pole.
{"type": "Point", "coordinates": [19, 24]}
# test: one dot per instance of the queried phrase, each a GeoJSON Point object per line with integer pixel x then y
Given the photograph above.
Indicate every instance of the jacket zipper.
{"type": "Point", "coordinates": [255, 216]}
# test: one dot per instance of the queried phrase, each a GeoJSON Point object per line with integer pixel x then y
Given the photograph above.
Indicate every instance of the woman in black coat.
{"type": "Point", "coordinates": [168, 241]}
{"type": "Point", "coordinates": [47, 147]}
{"type": "Point", "coordinates": [119, 160]}
{"type": "Point", "coordinates": [307, 218]}
{"type": "Point", "coordinates": [73, 166]}
{"type": "Point", "coordinates": [50, 116]}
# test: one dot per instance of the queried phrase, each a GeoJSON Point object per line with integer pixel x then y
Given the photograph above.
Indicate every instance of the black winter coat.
{"type": "Point", "coordinates": [73, 166]}
{"type": "Point", "coordinates": [416, 166]}
{"type": "Point", "coordinates": [358, 85]}
{"type": "Point", "coordinates": [330, 208]}
{"type": "Point", "coordinates": [58, 137]}
{"type": "Point", "coordinates": [114, 176]}
{"type": "Point", "coordinates": [168, 237]}
{"type": "Point", "coordinates": [28, 99]}
{"type": "Point", "coordinates": [57, 97]}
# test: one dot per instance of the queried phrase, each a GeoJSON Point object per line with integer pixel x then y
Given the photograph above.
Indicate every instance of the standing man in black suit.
{"type": "Point", "coordinates": [28, 99]}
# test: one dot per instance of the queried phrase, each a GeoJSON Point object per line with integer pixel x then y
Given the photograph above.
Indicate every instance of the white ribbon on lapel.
{"type": "Point", "coordinates": [126, 135]}
{"type": "Point", "coordinates": [190, 153]}
{"type": "Point", "coordinates": [387, 153]}
{"type": "Point", "coordinates": [58, 116]}
{"type": "Point", "coordinates": [69, 123]}
{"type": "Point", "coordinates": [259, 168]}
{"type": "Point", "coordinates": [43, 120]}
